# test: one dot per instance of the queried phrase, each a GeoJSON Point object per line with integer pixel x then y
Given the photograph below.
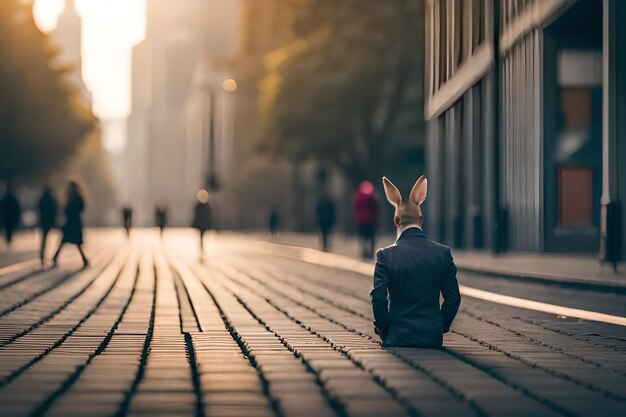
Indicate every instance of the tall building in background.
{"type": "Point", "coordinates": [259, 181]}
{"type": "Point", "coordinates": [524, 104]}
{"type": "Point", "coordinates": [177, 70]}
{"type": "Point", "coordinates": [68, 37]}
{"type": "Point", "coordinates": [91, 163]}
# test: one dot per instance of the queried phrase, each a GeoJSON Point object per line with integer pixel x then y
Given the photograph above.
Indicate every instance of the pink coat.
{"type": "Point", "coordinates": [365, 208]}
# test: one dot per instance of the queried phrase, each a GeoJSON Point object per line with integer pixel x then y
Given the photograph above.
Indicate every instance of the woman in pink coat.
{"type": "Point", "coordinates": [366, 216]}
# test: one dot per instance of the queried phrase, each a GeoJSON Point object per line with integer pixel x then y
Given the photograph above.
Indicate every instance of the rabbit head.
{"type": "Point", "coordinates": [407, 211]}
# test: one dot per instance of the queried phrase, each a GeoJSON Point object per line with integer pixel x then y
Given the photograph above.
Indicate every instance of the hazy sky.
{"type": "Point", "coordinates": [110, 29]}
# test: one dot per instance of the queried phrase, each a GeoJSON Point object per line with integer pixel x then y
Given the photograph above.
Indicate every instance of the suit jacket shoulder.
{"type": "Point", "coordinates": [385, 249]}
{"type": "Point", "coordinates": [430, 244]}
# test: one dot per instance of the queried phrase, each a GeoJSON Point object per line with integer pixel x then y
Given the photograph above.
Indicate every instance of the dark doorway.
{"type": "Point", "coordinates": [573, 129]}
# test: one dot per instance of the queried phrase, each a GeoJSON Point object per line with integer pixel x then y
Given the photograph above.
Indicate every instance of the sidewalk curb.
{"type": "Point", "coordinates": [517, 276]}
{"type": "Point", "coordinates": [562, 282]}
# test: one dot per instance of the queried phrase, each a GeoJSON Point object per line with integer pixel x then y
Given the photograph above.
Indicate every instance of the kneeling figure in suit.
{"type": "Point", "coordinates": [410, 276]}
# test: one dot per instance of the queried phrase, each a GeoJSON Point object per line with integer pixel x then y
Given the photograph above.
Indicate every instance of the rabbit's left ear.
{"type": "Point", "coordinates": [419, 191]}
{"type": "Point", "coordinates": [392, 193]}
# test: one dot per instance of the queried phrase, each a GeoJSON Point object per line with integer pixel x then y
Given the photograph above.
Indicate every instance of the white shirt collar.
{"type": "Point", "coordinates": [406, 227]}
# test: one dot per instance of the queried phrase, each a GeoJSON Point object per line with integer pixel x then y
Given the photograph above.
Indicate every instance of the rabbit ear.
{"type": "Point", "coordinates": [419, 190]}
{"type": "Point", "coordinates": [392, 193]}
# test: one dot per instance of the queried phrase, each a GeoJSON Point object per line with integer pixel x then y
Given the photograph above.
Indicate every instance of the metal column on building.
{"type": "Point", "coordinates": [614, 129]}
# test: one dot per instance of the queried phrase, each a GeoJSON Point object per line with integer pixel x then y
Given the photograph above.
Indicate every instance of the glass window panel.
{"type": "Point", "coordinates": [575, 132]}
{"type": "Point", "coordinates": [578, 68]}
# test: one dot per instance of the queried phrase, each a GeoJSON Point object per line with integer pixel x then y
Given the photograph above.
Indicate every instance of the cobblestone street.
{"type": "Point", "coordinates": [259, 329]}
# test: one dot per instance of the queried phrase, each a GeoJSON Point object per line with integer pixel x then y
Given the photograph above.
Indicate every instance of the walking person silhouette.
{"type": "Point", "coordinates": [326, 216]}
{"type": "Point", "coordinates": [11, 212]}
{"type": "Point", "coordinates": [160, 217]}
{"type": "Point", "coordinates": [73, 227]}
{"type": "Point", "coordinates": [410, 276]}
{"type": "Point", "coordinates": [273, 221]}
{"type": "Point", "coordinates": [127, 218]}
{"type": "Point", "coordinates": [202, 217]}
{"type": "Point", "coordinates": [47, 209]}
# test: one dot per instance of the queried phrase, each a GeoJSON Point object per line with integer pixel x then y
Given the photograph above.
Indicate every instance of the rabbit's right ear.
{"type": "Point", "coordinates": [419, 191]}
{"type": "Point", "coordinates": [392, 193]}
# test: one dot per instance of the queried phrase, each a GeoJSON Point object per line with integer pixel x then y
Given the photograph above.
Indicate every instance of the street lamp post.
{"type": "Point", "coordinates": [499, 212]}
{"type": "Point", "coordinates": [212, 182]}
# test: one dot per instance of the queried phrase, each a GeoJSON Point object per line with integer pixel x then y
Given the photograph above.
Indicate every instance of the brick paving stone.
{"type": "Point", "coordinates": [150, 331]}
{"type": "Point", "coordinates": [104, 376]}
{"type": "Point", "coordinates": [18, 272]}
{"type": "Point", "coordinates": [51, 372]}
{"type": "Point", "coordinates": [449, 364]}
{"type": "Point", "coordinates": [566, 364]}
{"type": "Point", "coordinates": [61, 282]}
{"type": "Point", "coordinates": [221, 410]}
{"type": "Point", "coordinates": [308, 347]}
{"type": "Point", "coordinates": [156, 391]}
{"type": "Point", "coordinates": [63, 287]}
{"type": "Point", "coordinates": [271, 355]}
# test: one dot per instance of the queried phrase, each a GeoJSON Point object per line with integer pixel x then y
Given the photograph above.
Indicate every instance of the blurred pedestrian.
{"type": "Point", "coordinates": [326, 217]}
{"type": "Point", "coordinates": [273, 221]}
{"type": "Point", "coordinates": [366, 216]}
{"type": "Point", "coordinates": [127, 218]}
{"type": "Point", "coordinates": [47, 209]}
{"type": "Point", "coordinates": [73, 227]}
{"type": "Point", "coordinates": [160, 217]}
{"type": "Point", "coordinates": [202, 219]}
{"type": "Point", "coordinates": [10, 211]}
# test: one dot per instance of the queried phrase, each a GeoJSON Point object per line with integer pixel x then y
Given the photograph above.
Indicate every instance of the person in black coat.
{"type": "Point", "coordinates": [160, 217]}
{"type": "Point", "coordinates": [11, 212]}
{"type": "Point", "coordinates": [273, 221]}
{"type": "Point", "coordinates": [127, 218]}
{"type": "Point", "coordinates": [73, 228]}
{"type": "Point", "coordinates": [326, 217]}
{"type": "Point", "coordinates": [409, 278]}
{"type": "Point", "coordinates": [202, 217]}
{"type": "Point", "coordinates": [47, 210]}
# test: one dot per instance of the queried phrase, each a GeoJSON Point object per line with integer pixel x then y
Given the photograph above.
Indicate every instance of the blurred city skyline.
{"type": "Point", "coordinates": [110, 29]}
{"type": "Point", "coordinates": [153, 73]}
{"type": "Point", "coordinates": [326, 95]}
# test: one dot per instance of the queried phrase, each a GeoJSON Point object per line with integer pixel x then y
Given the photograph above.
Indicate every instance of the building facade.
{"type": "Point", "coordinates": [525, 107]}
{"type": "Point", "coordinates": [68, 37]}
{"type": "Point", "coordinates": [167, 129]}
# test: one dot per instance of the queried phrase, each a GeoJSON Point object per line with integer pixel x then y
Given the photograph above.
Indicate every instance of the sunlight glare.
{"type": "Point", "coordinates": [110, 29]}
{"type": "Point", "coordinates": [229, 85]}
{"type": "Point", "coordinates": [46, 13]}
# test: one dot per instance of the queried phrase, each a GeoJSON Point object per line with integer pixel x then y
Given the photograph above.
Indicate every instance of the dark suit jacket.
{"type": "Point", "coordinates": [409, 277]}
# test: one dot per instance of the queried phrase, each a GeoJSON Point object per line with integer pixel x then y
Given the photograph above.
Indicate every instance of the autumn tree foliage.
{"type": "Point", "coordinates": [42, 119]}
{"type": "Point", "coordinates": [348, 91]}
